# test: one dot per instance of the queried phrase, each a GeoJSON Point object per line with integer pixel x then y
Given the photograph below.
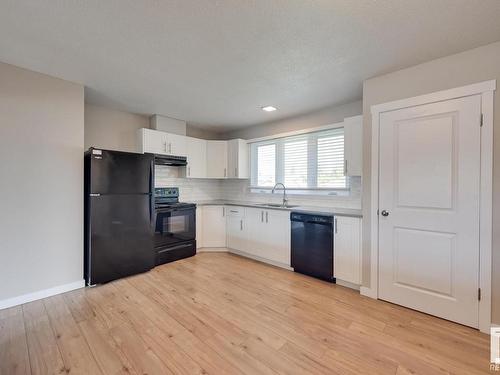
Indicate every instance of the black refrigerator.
{"type": "Point", "coordinates": [118, 205]}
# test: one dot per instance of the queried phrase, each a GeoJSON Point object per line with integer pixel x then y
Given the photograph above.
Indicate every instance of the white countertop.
{"type": "Point", "coordinates": [304, 209]}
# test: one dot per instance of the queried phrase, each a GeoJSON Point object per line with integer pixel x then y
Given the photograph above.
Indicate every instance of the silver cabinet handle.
{"type": "Point", "coordinates": [233, 211]}
{"type": "Point", "coordinates": [189, 171]}
{"type": "Point", "coordinates": [165, 146]}
{"type": "Point", "coordinates": [261, 216]}
{"type": "Point", "coordinates": [336, 226]}
{"type": "Point", "coordinates": [170, 148]}
{"type": "Point", "coordinates": [241, 224]}
{"type": "Point", "coordinates": [235, 172]}
{"type": "Point", "coordinates": [345, 167]}
{"type": "Point", "coordinates": [267, 217]}
{"type": "Point", "coordinates": [223, 211]}
{"type": "Point", "coordinates": [225, 172]}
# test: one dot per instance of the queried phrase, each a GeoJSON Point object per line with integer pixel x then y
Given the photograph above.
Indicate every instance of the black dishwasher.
{"type": "Point", "coordinates": [312, 245]}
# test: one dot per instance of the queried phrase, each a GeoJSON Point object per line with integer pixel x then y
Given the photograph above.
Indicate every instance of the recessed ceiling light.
{"type": "Point", "coordinates": [269, 108]}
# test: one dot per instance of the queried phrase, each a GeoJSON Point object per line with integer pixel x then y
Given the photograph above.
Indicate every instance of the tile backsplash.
{"type": "Point", "coordinates": [192, 190]}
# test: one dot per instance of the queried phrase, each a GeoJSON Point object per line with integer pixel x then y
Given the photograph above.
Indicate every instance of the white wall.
{"type": "Point", "coordinates": [465, 68]}
{"type": "Point", "coordinates": [116, 130]}
{"type": "Point", "coordinates": [325, 116]}
{"type": "Point", "coordinates": [41, 185]}
{"type": "Point", "coordinates": [111, 129]}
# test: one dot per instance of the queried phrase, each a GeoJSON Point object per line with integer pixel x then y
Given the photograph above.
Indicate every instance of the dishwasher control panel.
{"type": "Point", "coordinates": [310, 218]}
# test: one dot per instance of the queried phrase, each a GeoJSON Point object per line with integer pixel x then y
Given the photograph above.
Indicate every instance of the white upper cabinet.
{"type": "Point", "coordinates": [353, 145]}
{"type": "Point", "coordinates": [237, 159]}
{"type": "Point", "coordinates": [216, 159]}
{"type": "Point", "coordinates": [347, 249]}
{"type": "Point", "coordinates": [206, 159]}
{"type": "Point", "coordinates": [177, 144]}
{"type": "Point", "coordinates": [158, 142]}
{"type": "Point", "coordinates": [196, 158]}
{"type": "Point", "coordinates": [151, 141]}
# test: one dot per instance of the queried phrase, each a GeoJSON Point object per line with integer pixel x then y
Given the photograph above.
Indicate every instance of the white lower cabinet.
{"type": "Point", "coordinates": [213, 229]}
{"type": "Point", "coordinates": [236, 231]}
{"type": "Point", "coordinates": [265, 235]}
{"type": "Point", "coordinates": [260, 233]}
{"type": "Point", "coordinates": [276, 233]}
{"type": "Point", "coordinates": [347, 249]}
{"type": "Point", "coordinates": [199, 227]}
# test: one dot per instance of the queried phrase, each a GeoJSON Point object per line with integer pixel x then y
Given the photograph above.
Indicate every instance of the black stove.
{"type": "Point", "coordinates": [169, 197]}
{"type": "Point", "coordinates": [175, 226]}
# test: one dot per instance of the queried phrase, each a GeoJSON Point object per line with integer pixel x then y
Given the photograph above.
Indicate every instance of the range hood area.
{"type": "Point", "coordinates": [170, 160]}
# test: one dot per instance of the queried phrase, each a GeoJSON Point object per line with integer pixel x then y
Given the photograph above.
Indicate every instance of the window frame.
{"type": "Point", "coordinates": [279, 172]}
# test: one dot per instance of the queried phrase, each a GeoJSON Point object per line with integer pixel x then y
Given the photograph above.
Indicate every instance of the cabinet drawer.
{"type": "Point", "coordinates": [234, 211]}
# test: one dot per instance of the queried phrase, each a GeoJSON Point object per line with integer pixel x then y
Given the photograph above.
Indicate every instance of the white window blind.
{"type": "Point", "coordinates": [266, 165]}
{"type": "Point", "coordinates": [295, 158]}
{"type": "Point", "coordinates": [331, 160]}
{"type": "Point", "coordinates": [313, 161]}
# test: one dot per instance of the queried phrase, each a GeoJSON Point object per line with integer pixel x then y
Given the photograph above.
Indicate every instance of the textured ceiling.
{"type": "Point", "coordinates": [215, 63]}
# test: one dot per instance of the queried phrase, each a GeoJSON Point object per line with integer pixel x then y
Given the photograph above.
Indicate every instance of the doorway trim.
{"type": "Point", "coordinates": [485, 89]}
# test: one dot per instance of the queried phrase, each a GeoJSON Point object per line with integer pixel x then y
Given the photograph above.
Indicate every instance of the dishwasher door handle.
{"type": "Point", "coordinates": [319, 223]}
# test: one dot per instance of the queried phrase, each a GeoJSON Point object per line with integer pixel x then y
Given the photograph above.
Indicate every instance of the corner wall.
{"type": "Point", "coordinates": [112, 129]}
{"type": "Point", "coordinates": [41, 183]}
{"type": "Point", "coordinates": [472, 66]}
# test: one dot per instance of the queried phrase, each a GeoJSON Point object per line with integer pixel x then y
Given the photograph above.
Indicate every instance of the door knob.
{"type": "Point", "coordinates": [385, 213]}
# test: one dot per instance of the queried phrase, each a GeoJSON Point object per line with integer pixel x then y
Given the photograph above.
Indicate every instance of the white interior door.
{"type": "Point", "coordinates": [429, 186]}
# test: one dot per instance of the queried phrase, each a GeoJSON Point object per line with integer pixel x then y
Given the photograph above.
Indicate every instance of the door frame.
{"type": "Point", "coordinates": [486, 90]}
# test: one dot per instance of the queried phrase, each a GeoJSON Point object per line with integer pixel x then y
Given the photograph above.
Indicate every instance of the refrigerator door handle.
{"type": "Point", "coordinates": [151, 197]}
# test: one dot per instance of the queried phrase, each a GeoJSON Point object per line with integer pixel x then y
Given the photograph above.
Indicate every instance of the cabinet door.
{"type": "Point", "coordinates": [353, 145]}
{"type": "Point", "coordinates": [214, 226]}
{"type": "Point", "coordinates": [237, 156]}
{"type": "Point", "coordinates": [216, 159]}
{"type": "Point", "coordinates": [176, 144]}
{"type": "Point", "coordinates": [152, 141]}
{"type": "Point", "coordinates": [255, 225]}
{"type": "Point", "coordinates": [347, 249]}
{"type": "Point", "coordinates": [199, 227]}
{"type": "Point", "coordinates": [277, 236]}
{"type": "Point", "coordinates": [236, 228]}
{"type": "Point", "coordinates": [196, 158]}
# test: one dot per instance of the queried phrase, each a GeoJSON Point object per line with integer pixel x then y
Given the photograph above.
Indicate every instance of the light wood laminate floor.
{"type": "Point", "coordinates": [218, 313]}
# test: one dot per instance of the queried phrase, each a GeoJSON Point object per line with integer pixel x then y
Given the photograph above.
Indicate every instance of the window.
{"type": "Point", "coordinates": [266, 156]}
{"type": "Point", "coordinates": [307, 162]}
{"type": "Point", "coordinates": [295, 158]}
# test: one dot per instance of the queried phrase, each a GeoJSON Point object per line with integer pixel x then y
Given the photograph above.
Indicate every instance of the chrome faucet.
{"type": "Point", "coordinates": [285, 200]}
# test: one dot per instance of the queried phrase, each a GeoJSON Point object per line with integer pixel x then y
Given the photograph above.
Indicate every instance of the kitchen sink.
{"type": "Point", "coordinates": [278, 205]}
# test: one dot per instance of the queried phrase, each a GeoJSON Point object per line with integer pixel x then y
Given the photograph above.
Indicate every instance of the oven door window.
{"type": "Point", "coordinates": [174, 226]}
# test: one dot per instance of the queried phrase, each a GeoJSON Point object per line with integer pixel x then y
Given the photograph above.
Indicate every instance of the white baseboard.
{"type": "Point", "coordinates": [211, 250]}
{"type": "Point", "coordinates": [263, 260]}
{"type": "Point", "coordinates": [368, 292]}
{"type": "Point", "coordinates": [25, 298]}
{"type": "Point", "coordinates": [347, 284]}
